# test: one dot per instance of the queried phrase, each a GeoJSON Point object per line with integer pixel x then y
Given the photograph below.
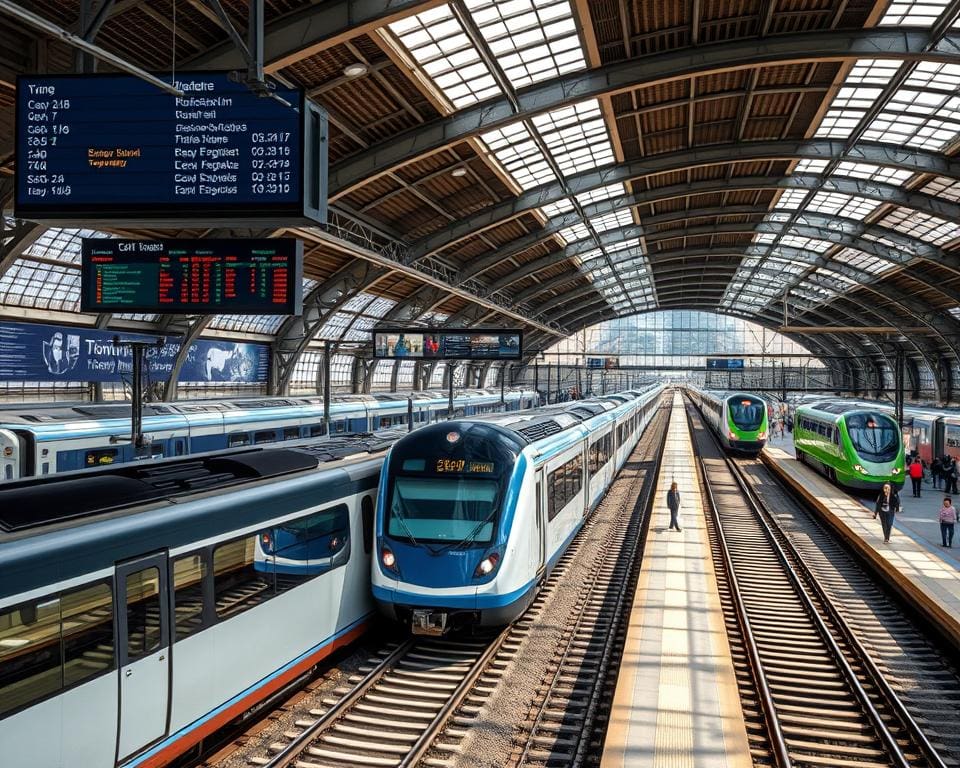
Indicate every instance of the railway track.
{"type": "Point", "coordinates": [415, 701]}
{"type": "Point", "coordinates": [820, 696]}
{"type": "Point", "coordinates": [923, 671]}
{"type": "Point", "coordinates": [566, 722]}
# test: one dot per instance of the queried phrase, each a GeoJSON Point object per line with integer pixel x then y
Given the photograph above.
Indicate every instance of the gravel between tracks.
{"type": "Point", "coordinates": [491, 739]}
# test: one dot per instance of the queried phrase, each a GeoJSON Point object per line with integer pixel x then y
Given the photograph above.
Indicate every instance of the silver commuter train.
{"type": "Point", "coordinates": [43, 440]}
{"type": "Point", "coordinates": [138, 613]}
{"type": "Point", "coordinates": [473, 514]}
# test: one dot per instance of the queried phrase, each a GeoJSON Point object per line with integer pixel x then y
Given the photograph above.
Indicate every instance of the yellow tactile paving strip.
{"type": "Point", "coordinates": [928, 581]}
{"type": "Point", "coordinates": [676, 703]}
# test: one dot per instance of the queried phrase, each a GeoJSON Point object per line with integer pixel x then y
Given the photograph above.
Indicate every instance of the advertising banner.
{"type": "Point", "coordinates": [39, 352]}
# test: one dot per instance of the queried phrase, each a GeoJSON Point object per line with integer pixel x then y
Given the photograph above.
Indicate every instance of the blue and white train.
{"type": "Point", "coordinates": [43, 440]}
{"type": "Point", "coordinates": [145, 606]}
{"type": "Point", "coordinates": [473, 514]}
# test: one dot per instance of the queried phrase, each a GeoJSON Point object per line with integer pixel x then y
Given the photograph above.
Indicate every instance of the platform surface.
{"type": "Point", "coordinates": [919, 518]}
{"type": "Point", "coordinates": [927, 574]}
{"type": "Point", "coordinates": [676, 703]}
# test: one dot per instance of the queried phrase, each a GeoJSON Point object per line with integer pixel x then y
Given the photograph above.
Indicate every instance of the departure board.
{"type": "Point", "coordinates": [192, 276]}
{"type": "Point", "coordinates": [106, 146]}
{"type": "Point", "coordinates": [478, 344]}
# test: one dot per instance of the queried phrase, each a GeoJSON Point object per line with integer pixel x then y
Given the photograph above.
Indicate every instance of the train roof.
{"type": "Point", "coordinates": [40, 503]}
{"type": "Point", "coordinates": [836, 408]}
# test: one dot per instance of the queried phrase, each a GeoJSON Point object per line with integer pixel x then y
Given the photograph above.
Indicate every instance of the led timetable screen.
{"type": "Point", "coordinates": [426, 343]}
{"type": "Point", "coordinates": [105, 145]}
{"type": "Point", "coordinates": [192, 276]}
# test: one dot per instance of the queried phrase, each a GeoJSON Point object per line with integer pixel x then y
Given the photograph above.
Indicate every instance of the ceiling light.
{"type": "Point", "coordinates": [459, 171]}
{"type": "Point", "coordinates": [356, 69]}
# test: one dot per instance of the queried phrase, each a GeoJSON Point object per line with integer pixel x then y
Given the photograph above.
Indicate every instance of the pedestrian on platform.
{"type": "Point", "coordinates": [948, 519]}
{"type": "Point", "coordinates": [673, 502]}
{"type": "Point", "coordinates": [888, 504]}
{"type": "Point", "coordinates": [916, 476]}
{"type": "Point", "coordinates": [936, 472]}
{"type": "Point", "coordinates": [951, 476]}
{"type": "Point", "coordinates": [789, 423]}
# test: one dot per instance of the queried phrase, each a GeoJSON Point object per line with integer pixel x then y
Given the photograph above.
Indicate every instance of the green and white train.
{"type": "Point", "coordinates": [738, 418]}
{"type": "Point", "coordinates": [853, 446]}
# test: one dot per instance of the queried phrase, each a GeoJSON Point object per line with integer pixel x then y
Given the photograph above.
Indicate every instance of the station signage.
{"type": "Point", "coordinates": [435, 344]}
{"type": "Point", "coordinates": [261, 277]}
{"type": "Point", "coordinates": [114, 147]}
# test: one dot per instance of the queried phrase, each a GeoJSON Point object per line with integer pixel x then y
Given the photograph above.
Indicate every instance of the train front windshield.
{"type": "Point", "coordinates": [747, 412]}
{"type": "Point", "coordinates": [446, 510]}
{"type": "Point", "coordinates": [875, 437]}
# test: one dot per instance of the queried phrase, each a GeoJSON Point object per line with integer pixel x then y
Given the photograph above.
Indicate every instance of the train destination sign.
{"type": "Point", "coordinates": [113, 147]}
{"type": "Point", "coordinates": [725, 363]}
{"type": "Point", "coordinates": [192, 276]}
{"type": "Point", "coordinates": [434, 344]}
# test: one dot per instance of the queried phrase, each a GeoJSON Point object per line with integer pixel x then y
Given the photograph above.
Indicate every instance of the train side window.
{"type": "Point", "coordinates": [264, 436]}
{"type": "Point", "coordinates": [31, 666]}
{"type": "Point", "coordinates": [238, 438]}
{"type": "Point", "coordinates": [317, 430]}
{"type": "Point", "coordinates": [189, 572]}
{"type": "Point", "coordinates": [291, 433]}
{"type": "Point", "coordinates": [87, 616]}
{"type": "Point", "coordinates": [240, 581]}
{"type": "Point", "coordinates": [303, 548]}
{"type": "Point", "coordinates": [143, 613]}
{"type": "Point", "coordinates": [366, 515]}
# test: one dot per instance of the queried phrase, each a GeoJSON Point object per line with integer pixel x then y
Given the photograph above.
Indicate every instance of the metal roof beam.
{"type": "Point", "coordinates": [848, 45]}
{"type": "Point", "coordinates": [300, 34]}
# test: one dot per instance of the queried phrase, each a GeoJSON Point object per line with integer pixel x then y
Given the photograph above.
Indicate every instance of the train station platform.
{"type": "Point", "coordinates": [676, 704]}
{"type": "Point", "coordinates": [919, 518]}
{"type": "Point", "coordinates": [927, 575]}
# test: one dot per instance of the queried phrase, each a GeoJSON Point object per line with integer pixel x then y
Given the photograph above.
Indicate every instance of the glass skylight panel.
{"type": "Point", "coordinates": [863, 261]}
{"type": "Point", "coordinates": [435, 318]}
{"type": "Point", "coordinates": [923, 226]}
{"type": "Point", "coordinates": [61, 244]}
{"type": "Point", "coordinates": [533, 40]}
{"type": "Point", "coordinates": [577, 232]}
{"type": "Point", "coordinates": [562, 206]}
{"type": "Point", "coordinates": [576, 136]}
{"type": "Point", "coordinates": [793, 241]}
{"type": "Point", "coordinates": [845, 206]}
{"type": "Point", "coordinates": [873, 172]}
{"type": "Point", "coordinates": [602, 193]}
{"type": "Point", "coordinates": [860, 90]}
{"type": "Point", "coordinates": [29, 283]}
{"type": "Point", "coordinates": [248, 323]}
{"type": "Point", "coordinates": [379, 307]}
{"type": "Point", "coordinates": [941, 186]}
{"type": "Point", "coordinates": [358, 302]}
{"type": "Point", "coordinates": [335, 325]}
{"type": "Point", "coordinates": [810, 166]}
{"type": "Point", "coordinates": [615, 220]}
{"type": "Point", "coordinates": [438, 43]}
{"type": "Point", "coordinates": [360, 330]}
{"type": "Point", "coordinates": [913, 13]}
{"type": "Point", "coordinates": [791, 199]}
{"type": "Point", "coordinates": [519, 154]}
{"type": "Point", "coordinates": [955, 311]}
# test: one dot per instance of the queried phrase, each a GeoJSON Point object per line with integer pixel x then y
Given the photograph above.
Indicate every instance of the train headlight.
{"type": "Point", "coordinates": [731, 434]}
{"type": "Point", "coordinates": [486, 566]}
{"type": "Point", "coordinates": [388, 559]}
{"type": "Point", "coordinates": [761, 436]}
{"type": "Point", "coordinates": [861, 469]}
{"type": "Point", "coordinates": [896, 470]}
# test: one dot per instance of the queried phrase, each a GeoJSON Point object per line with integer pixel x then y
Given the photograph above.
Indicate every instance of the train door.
{"type": "Point", "coordinates": [143, 624]}
{"type": "Point", "coordinates": [179, 446]}
{"type": "Point", "coordinates": [541, 527]}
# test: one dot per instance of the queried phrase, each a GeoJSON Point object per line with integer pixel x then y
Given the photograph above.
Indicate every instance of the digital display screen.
{"type": "Point", "coordinates": [192, 276]}
{"type": "Point", "coordinates": [421, 343]}
{"type": "Point", "coordinates": [104, 145]}
{"type": "Point", "coordinates": [724, 363]}
{"type": "Point", "coordinates": [445, 465]}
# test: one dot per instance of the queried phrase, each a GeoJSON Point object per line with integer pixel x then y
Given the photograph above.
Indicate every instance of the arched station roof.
{"type": "Point", "coordinates": [556, 163]}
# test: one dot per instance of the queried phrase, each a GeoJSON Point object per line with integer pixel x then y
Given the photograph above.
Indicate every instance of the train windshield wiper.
{"type": "Point", "coordinates": [475, 530]}
{"type": "Point", "coordinates": [398, 514]}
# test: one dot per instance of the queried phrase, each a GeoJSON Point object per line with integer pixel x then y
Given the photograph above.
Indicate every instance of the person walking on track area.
{"type": "Point", "coordinates": [916, 476]}
{"type": "Point", "coordinates": [888, 504]}
{"type": "Point", "coordinates": [673, 502]}
{"type": "Point", "coordinates": [948, 520]}
{"type": "Point", "coordinates": [936, 472]}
